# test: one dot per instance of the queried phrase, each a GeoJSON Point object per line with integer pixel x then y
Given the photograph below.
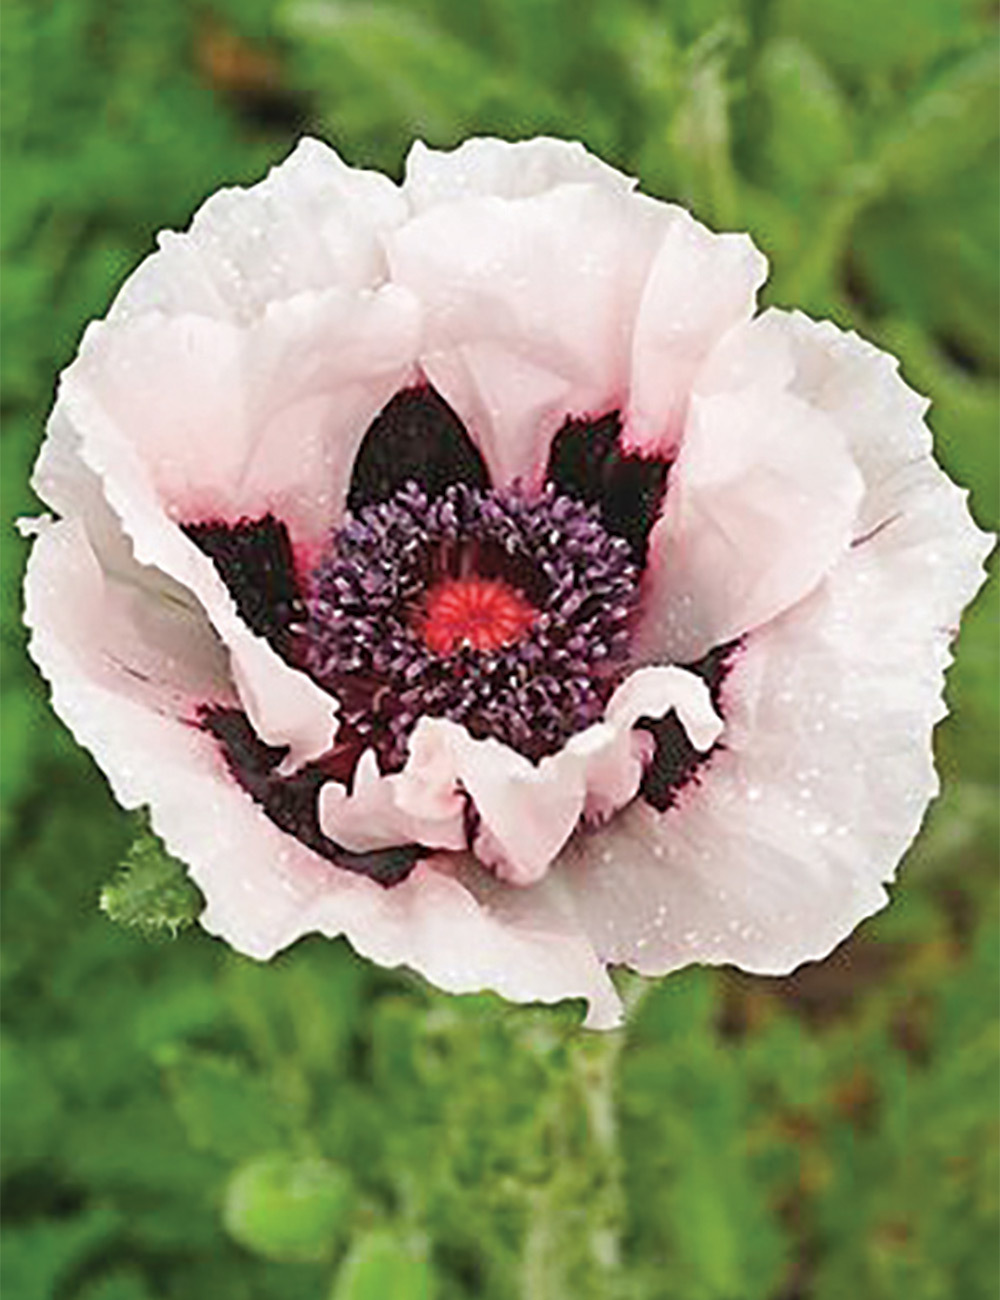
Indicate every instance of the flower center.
{"type": "Point", "coordinates": [507, 612]}
{"type": "Point", "coordinates": [480, 613]}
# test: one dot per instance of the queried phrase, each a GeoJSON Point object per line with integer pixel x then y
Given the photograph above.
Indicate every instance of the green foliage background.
{"type": "Point", "coordinates": [179, 1122]}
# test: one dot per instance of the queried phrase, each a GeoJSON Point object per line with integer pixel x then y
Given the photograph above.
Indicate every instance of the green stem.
{"type": "Point", "coordinates": [572, 1248]}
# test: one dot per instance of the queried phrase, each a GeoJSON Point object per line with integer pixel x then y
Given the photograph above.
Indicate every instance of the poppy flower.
{"type": "Point", "coordinates": [465, 567]}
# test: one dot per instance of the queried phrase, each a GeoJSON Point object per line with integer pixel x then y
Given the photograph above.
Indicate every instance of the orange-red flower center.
{"type": "Point", "coordinates": [482, 613]}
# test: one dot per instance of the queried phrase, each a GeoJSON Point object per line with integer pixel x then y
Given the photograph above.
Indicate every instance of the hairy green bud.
{"type": "Point", "coordinates": [152, 891]}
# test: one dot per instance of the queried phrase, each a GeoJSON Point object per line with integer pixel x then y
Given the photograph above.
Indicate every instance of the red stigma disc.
{"type": "Point", "coordinates": [482, 613]}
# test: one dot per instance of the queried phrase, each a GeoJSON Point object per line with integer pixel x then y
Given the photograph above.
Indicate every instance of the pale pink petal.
{"type": "Point", "coordinates": [278, 357]}
{"type": "Point", "coordinates": [264, 417]}
{"type": "Point", "coordinates": [508, 169]}
{"type": "Point", "coordinates": [859, 386]}
{"type": "Point", "coordinates": [614, 773]}
{"type": "Point", "coordinates": [783, 843]}
{"type": "Point", "coordinates": [653, 692]}
{"type": "Point", "coordinates": [455, 924]}
{"type": "Point", "coordinates": [129, 668]}
{"type": "Point", "coordinates": [751, 355]}
{"type": "Point", "coordinates": [285, 705]}
{"type": "Point", "coordinates": [63, 481]}
{"type": "Point", "coordinates": [762, 503]}
{"type": "Point", "coordinates": [526, 811]}
{"type": "Point", "coordinates": [139, 633]}
{"type": "Point", "coordinates": [422, 804]}
{"type": "Point", "coordinates": [929, 536]}
{"type": "Point", "coordinates": [312, 224]}
{"type": "Point", "coordinates": [530, 308]}
{"type": "Point", "coordinates": [700, 286]}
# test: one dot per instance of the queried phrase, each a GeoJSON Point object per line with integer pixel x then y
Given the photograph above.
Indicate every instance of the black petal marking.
{"type": "Point", "coordinates": [416, 438]}
{"type": "Point", "coordinates": [713, 669]}
{"type": "Point", "coordinates": [675, 760]}
{"type": "Point", "coordinates": [587, 462]}
{"type": "Point", "coordinates": [255, 561]}
{"type": "Point", "coordinates": [291, 801]}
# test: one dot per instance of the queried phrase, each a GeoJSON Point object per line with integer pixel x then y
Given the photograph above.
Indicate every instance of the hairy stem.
{"type": "Point", "coordinates": [572, 1246]}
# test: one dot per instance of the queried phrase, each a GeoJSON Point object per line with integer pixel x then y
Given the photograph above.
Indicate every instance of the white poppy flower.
{"type": "Point", "coordinates": [463, 567]}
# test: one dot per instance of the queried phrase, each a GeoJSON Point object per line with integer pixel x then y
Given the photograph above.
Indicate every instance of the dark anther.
{"type": "Point", "coordinates": [291, 801]}
{"type": "Point", "coordinates": [418, 438]}
{"type": "Point", "coordinates": [587, 462]}
{"type": "Point", "coordinates": [675, 760]}
{"type": "Point", "coordinates": [255, 561]}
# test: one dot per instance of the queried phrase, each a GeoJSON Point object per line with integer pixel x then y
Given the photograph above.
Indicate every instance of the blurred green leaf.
{"type": "Point", "coordinates": [949, 126]}
{"type": "Point", "coordinates": [699, 136]}
{"type": "Point", "coordinates": [810, 132]}
{"type": "Point", "coordinates": [120, 1285]}
{"type": "Point", "coordinates": [381, 1264]}
{"type": "Point", "coordinates": [289, 1208]}
{"type": "Point", "coordinates": [35, 1260]}
{"type": "Point", "coordinates": [224, 1109]}
{"type": "Point", "coordinates": [693, 1185]}
{"type": "Point", "coordinates": [872, 40]}
{"type": "Point", "coordinates": [30, 1103]}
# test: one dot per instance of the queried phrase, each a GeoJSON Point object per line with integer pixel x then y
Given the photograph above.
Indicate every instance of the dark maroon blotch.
{"type": "Point", "coordinates": [675, 760]}
{"type": "Point", "coordinates": [291, 801]}
{"type": "Point", "coordinates": [714, 667]}
{"type": "Point", "coordinates": [254, 559]}
{"type": "Point", "coordinates": [416, 438]}
{"type": "Point", "coordinates": [587, 462]}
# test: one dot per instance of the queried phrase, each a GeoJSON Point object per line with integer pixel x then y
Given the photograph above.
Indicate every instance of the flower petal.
{"type": "Point", "coordinates": [420, 805]}
{"type": "Point", "coordinates": [762, 502]}
{"type": "Point", "coordinates": [526, 811]}
{"type": "Point", "coordinates": [507, 169]}
{"type": "Point", "coordinates": [931, 542]}
{"type": "Point", "coordinates": [129, 668]}
{"type": "Point", "coordinates": [856, 384]}
{"type": "Point", "coordinates": [285, 705]}
{"type": "Point", "coordinates": [256, 419]}
{"type": "Point", "coordinates": [700, 286]}
{"type": "Point", "coordinates": [453, 923]}
{"type": "Point", "coordinates": [524, 325]}
{"type": "Point", "coordinates": [311, 224]}
{"type": "Point", "coordinates": [783, 844]}
{"type": "Point", "coordinates": [139, 632]}
{"type": "Point", "coordinates": [529, 811]}
{"type": "Point", "coordinates": [260, 419]}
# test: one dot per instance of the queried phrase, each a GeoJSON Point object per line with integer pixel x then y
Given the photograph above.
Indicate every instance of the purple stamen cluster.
{"type": "Point", "coordinates": [362, 638]}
